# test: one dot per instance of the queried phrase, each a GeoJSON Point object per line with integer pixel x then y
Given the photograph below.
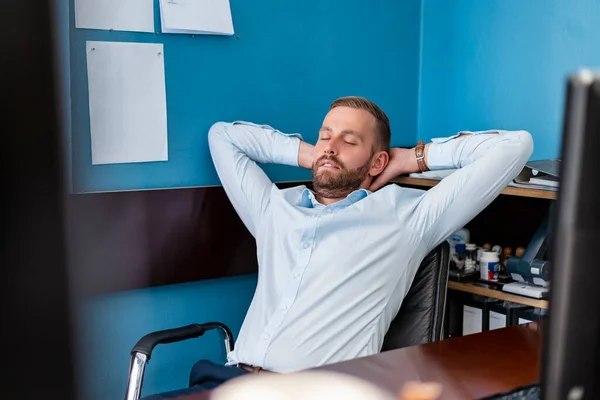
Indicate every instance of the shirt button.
{"type": "Point", "coordinates": [297, 274]}
{"type": "Point", "coordinates": [329, 211]}
{"type": "Point", "coordinates": [285, 307]}
{"type": "Point", "coordinates": [306, 245]}
{"type": "Point", "coordinates": [266, 336]}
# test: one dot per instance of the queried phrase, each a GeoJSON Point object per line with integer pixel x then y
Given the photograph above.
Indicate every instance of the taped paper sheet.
{"type": "Point", "coordinates": [202, 17]}
{"type": "Point", "coordinates": [127, 102]}
{"type": "Point", "coordinates": [119, 15]}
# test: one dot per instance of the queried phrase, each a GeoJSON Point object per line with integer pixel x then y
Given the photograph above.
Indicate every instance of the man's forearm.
{"type": "Point", "coordinates": [306, 153]}
{"type": "Point", "coordinates": [260, 143]}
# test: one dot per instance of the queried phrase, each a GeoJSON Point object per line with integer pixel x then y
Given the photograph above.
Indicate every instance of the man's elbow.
{"type": "Point", "coordinates": [525, 147]}
{"type": "Point", "coordinates": [217, 133]}
{"type": "Point", "coordinates": [517, 147]}
{"type": "Point", "coordinates": [217, 129]}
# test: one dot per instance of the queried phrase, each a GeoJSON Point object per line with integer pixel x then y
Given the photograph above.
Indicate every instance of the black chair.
{"type": "Point", "coordinates": [419, 320]}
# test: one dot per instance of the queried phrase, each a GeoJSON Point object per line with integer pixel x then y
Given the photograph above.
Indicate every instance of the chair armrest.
{"type": "Point", "coordinates": [147, 343]}
{"type": "Point", "coordinates": [141, 352]}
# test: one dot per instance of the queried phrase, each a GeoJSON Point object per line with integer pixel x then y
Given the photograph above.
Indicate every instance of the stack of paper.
{"type": "Point", "coordinates": [203, 17]}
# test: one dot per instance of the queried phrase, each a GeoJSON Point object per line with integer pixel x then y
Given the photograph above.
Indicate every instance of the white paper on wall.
{"type": "Point", "coordinates": [119, 15]}
{"type": "Point", "coordinates": [127, 102]}
{"type": "Point", "coordinates": [203, 17]}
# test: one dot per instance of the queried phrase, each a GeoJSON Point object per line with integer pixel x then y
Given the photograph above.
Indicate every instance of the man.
{"type": "Point", "coordinates": [335, 262]}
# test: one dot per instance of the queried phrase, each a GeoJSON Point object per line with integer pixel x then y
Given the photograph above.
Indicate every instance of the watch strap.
{"type": "Point", "coordinates": [420, 155]}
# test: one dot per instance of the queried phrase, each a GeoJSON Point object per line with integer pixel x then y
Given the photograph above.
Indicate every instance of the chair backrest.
{"type": "Point", "coordinates": [421, 316]}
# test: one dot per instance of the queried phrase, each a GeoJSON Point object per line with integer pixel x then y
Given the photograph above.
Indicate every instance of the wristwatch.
{"type": "Point", "coordinates": [420, 154]}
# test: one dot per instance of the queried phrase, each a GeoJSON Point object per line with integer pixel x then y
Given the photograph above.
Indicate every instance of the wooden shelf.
{"type": "Point", "coordinates": [509, 190]}
{"type": "Point", "coordinates": [473, 288]}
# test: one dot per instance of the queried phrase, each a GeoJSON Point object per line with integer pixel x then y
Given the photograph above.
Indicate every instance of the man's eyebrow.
{"type": "Point", "coordinates": [343, 132]}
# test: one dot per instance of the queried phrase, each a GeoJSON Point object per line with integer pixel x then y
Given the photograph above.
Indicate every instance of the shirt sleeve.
{"type": "Point", "coordinates": [236, 148]}
{"type": "Point", "coordinates": [486, 162]}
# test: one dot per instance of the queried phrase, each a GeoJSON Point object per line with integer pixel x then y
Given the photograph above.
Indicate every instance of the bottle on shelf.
{"type": "Point", "coordinates": [471, 264]}
{"type": "Point", "coordinates": [489, 268]}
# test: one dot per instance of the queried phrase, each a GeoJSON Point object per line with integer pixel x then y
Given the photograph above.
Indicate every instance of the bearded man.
{"type": "Point", "coordinates": [337, 259]}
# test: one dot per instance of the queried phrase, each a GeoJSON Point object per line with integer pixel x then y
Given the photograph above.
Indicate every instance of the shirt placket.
{"type": "Point", "coordinates": [291, 290]}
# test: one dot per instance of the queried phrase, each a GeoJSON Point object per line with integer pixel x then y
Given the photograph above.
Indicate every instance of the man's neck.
{"type": "Point", "coordinates": [328, 200]}
{"type": "Point", "coordinates": [334, 199]}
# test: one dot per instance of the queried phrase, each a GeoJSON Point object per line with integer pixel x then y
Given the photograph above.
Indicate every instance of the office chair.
{"type": "Point", "coordinates": [419, 320]}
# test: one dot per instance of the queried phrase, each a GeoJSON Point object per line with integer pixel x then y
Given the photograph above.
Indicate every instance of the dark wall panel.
{"type": "Point", "coordinates": [136, 239]}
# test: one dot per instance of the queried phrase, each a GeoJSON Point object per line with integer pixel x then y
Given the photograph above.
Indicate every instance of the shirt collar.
{"type": "Point", "coordinates": [308, 199]}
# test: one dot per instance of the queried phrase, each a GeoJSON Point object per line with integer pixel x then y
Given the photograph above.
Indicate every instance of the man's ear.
{"type": "Point", "coordinates": [379, 161]}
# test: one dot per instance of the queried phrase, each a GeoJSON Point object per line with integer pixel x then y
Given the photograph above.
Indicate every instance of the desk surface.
{"type": "Point", "coordinates": [468, 367]}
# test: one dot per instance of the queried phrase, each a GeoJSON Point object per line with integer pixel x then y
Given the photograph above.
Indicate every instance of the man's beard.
{"type": "Point", "coordinates": [337, 184]}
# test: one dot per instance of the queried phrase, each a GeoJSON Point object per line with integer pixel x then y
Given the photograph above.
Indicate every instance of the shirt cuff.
{"type": "Point", "coordinates": [441, 150]}
{"type": "Point", "coordinates": [286, 147]}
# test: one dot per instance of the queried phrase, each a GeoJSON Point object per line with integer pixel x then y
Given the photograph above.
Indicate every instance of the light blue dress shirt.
{"type": "Point", "coordinates": [332, 278]}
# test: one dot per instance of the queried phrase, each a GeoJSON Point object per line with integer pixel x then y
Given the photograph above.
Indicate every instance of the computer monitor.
{"type": "Point", "coordinates": [570, 365]}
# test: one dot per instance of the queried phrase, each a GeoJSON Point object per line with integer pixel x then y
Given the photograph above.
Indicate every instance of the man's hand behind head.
{"type": "Point", "coordinates": [402, 161]}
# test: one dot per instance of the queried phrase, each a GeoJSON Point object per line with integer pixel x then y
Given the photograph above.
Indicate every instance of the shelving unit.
{"type": "Point", "coordinates": [473, 288]}
{"type": "Point", "coordinates": [539, 197]}
{"type": "Point", "coordinates": [509, 190]}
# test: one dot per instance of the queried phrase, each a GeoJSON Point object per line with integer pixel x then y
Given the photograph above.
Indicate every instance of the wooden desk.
{"type": "Point", "coordinates": [482, 290]}
{"type": "Point", "coordinates": [469, 367]}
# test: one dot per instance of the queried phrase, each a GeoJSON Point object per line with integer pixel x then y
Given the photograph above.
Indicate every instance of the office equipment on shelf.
{"type": "Point", "coordinates": [531, 271]}
{"type": "Point", "coordinates": [540, 174]}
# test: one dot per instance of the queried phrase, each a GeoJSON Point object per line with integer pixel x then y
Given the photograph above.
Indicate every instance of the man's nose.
{"type": "Point", "coordinates": [331, 148]}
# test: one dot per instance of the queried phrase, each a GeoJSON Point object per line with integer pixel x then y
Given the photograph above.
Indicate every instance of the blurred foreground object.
{"type": "Point", "coordinates": [420, 391]}
{"type": "Point", "coordinates": [317, 385]}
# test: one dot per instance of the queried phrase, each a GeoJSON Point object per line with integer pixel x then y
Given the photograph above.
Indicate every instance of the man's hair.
{"type": "Point", "coordinates": [384, 134]}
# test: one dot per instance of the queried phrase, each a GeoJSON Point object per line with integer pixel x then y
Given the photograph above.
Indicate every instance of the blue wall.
{"type": "Point", "coordinates": [290, 61]}
{"type": "Point", "coordinates": [110, 325]}
{"type": "Point", "coordinates": [503, 64]}
{"type": "Point", "coordinates": [292, 58]}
